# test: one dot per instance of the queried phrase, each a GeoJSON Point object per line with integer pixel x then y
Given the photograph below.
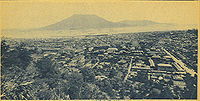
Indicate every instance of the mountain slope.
{"type": "Point", "coordinates": [78, 21]}
{"type": "Point", "coordinates": [138, 22]}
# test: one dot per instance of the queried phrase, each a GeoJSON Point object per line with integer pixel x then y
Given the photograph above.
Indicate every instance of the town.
{"type": "Point", "coordinates": [143, 65]}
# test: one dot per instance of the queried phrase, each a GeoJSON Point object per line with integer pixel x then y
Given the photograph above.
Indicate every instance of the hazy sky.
{"type": "Point", "coordinates": [32, 15]}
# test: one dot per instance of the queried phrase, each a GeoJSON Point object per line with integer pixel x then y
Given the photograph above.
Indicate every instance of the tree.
{"type": "Point", "coordinates": [106, 87]}
{"type": "Point", "coordinates": [191, 87]}
{"type": "Point", "coordinates": [90, 91]}
{"type": "Point", "coordinates": [142, 76]}
{"type": "Point", "coordinates": [88, 74]}
{"type": "Point", "coordinates": [20, 57]}
{"type": "Point", "coordinates": [75, 82]}
{"type": "Point", "coordinates": [46, 67]}
{"type": "Point", "coordinates": [4, 47]}
{"type": "Point", "coordinates": [112, 73]}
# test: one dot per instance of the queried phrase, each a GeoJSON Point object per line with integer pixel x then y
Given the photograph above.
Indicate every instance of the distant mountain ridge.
{"type": "Point", "coordinates": [79, 21]}
{"type": "Point", "coordinates": [138, 22]}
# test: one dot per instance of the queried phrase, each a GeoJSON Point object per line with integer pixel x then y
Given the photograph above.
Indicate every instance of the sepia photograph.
{"type": "Point", "coordinates": [99, 50]}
